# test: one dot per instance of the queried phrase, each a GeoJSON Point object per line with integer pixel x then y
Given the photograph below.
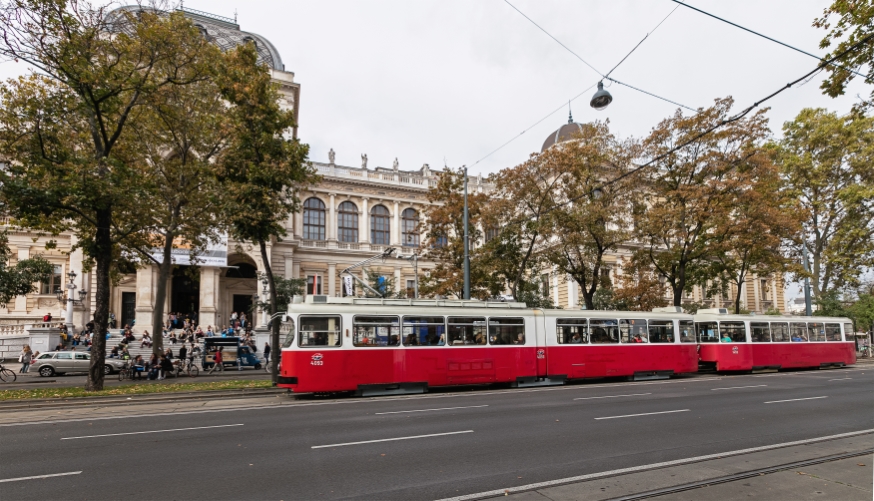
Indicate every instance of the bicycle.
{"type": "Point", "coordinates": [189, 367]}
{"type": "Point", "coordinates": [7, 375]}
{"type": "Point", "coordinates": [126, 372]}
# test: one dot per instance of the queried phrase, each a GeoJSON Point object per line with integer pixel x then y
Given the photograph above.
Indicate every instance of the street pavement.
{"type": "Point", "coordinates": [32, 380]}
{"type": "Point", "coordinates": [434, 446]}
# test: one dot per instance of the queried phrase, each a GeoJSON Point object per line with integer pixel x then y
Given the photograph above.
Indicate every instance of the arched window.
{"type": "Point", "coordinates": [380, 233]}
{"type": "Point", "coordinates": [347, 222]}
{"type": "Point", "coordinates": [313, 219]}
{"type": "Point", "coordinates": [410, 228]}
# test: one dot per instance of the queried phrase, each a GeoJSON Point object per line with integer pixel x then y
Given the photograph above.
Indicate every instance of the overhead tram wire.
{"type": "Point", "coordinates": [603, 76]}
{"type": "Point", "coordinates": [587, 89]}
{"type": "Point", "coordinates": [723, 123]}
{"type": "Point", "coordinates": [796, 49]}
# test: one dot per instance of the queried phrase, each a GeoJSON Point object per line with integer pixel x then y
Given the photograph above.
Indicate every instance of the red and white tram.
{"type": "Point", "coordinates": [752, 342]}
{"type": "Point", "coordinates": [379, 346]}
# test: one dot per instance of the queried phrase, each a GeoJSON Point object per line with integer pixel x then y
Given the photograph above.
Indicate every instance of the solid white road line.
{"type": "Point", "coordinates": [738, 387]}
{"type": "Point", "coordinates": [391, 439]}
{"type": "Point", "coordinates": [793, 400]}
{"type": "Point", "coordinates": [840, 379]}
{"type": "Point", "coordinates": [614, 396]}
{"type": "Point", "coordinates": [153, 431]}
{"type": "Point", "coordinates": [429, 410]}
{"type": "Point", "coordinates": [580, 478]}
{"type": "Point", "coordinates": [644, 414]}
{"type": "Point", "coordinates": [41, 476]}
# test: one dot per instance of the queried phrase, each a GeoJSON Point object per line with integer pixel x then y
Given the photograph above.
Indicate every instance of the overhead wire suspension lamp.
{"type": "Point", "coordinates": [601, 99]}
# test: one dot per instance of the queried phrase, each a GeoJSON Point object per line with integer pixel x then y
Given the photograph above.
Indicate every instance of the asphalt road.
{"type": "Point", "coordinates": [428, 447]}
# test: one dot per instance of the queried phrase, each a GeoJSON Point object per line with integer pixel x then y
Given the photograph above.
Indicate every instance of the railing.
{"type": "Point", "coordinates": [12, 330]}
{"type": "Point", "coordinates": [314, 243]}
{"type": "Point", "coordinates": [350, 246]}
{"type": "Point", "coordinates": [397, 178]}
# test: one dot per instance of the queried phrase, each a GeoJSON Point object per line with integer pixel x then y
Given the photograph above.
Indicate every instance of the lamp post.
{"type": "Point", "coordinates": [466, 294]}
{"type": "Point", "coordinates": [264, 284]}
{"type": "Point", "coordinates": [69, 298]}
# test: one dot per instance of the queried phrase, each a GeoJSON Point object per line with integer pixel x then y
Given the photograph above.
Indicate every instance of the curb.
{"type": "Point", "coordinates": [135, 399]}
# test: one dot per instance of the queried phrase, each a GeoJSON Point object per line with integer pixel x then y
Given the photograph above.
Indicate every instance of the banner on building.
{"type": "Point", "coordinates": [347, 282]}
{"type": "Point", "coordinates": [215, 253]}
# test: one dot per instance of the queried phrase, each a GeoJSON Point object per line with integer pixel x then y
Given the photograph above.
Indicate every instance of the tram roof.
{"type": "Point", "coordinates": [722, 314]}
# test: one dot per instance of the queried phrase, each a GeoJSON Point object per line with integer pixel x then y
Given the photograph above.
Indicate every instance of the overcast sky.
{"type": "Point", "coordinates": [451, 80]}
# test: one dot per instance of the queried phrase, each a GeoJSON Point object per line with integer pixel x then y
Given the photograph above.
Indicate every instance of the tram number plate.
{"type": "Point", "coordinates": [734, 350]}
{"type": "Point", "coordinates": [541, 353]}
{"type": "Point", "coordinates": [317, 359]}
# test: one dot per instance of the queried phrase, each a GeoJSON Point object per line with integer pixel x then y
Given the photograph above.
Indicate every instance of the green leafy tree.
{"type": "Point", "coordinates": [65, 129]}
{"type": "Point", "coordinates": [22, 278]}
{"type": "Point", "coordinates": [262, 168]}
{"type": "Point", "coordinates": [848, 22]}
{"type": "Point", "coordinates": [286, 288]}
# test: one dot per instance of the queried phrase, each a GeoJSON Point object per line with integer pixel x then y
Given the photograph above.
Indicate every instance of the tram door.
{"type": "Point", "coordinates": [540, 335]}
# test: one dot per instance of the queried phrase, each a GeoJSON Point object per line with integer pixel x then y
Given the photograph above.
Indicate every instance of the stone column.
{"type": "Point", "coordinates": [21, 301]}
{"type": "Point", "coordinates": [364, 223]}
{"type": "Point", "coordinates": [399, 286]}
{"type": "Point", "coordinates": [331, 279]}
{"type": "Point", "coordinates": [81, 283]}
{"type": "Point", "coordinates": [396, 227]}
{"type": "Point", "coordinates": [147, 282]}
{"type": "Point", "coordinates": [289, 266]}
{"type": "Point", "coordinates": [571, 292]}
{"type": "Point", "coordinates": [209, 295]}
{"type": "Point", "coordinates": [331, 223]}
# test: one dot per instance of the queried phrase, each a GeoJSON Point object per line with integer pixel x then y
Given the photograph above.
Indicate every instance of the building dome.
{"type": "Point", "coordinates": [563, 133]}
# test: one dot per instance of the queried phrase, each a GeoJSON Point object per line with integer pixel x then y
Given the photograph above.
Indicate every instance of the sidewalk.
{"type": "Point", "coordinates": [845, 479]}
{"type": "Point", "coordinates": [32, 380]}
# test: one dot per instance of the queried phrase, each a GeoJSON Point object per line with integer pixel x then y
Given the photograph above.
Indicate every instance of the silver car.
{"type": "Point", "coordinates": [59, 362]}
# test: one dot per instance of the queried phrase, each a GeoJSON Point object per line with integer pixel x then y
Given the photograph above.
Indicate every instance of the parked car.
{"type": "Point", "coordinates": [59, 362]}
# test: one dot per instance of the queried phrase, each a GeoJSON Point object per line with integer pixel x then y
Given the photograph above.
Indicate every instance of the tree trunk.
{"type": "Point", "coordinates": [164, 270]}
{"type": "Point", "coordinates": [737, 302]}
{"type": "Point", "coordinates": [103, 262]}
{"type": "Point", "coordinates": [678, 285]}
{"type": "Point", "coordinates": [274, 326]}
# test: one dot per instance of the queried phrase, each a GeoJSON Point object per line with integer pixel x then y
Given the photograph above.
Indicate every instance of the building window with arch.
{"type": "Point", "coordinates": [410, 228]}
{"type": "Point", "coordinates": [380, 232]}
{"type": "Point", "coordinates": [347, 222]}
{"type": "Point", "coordinates": [313, 219]}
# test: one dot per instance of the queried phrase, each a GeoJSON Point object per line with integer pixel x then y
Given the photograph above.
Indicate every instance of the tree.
{"type": "Point", "coordinates": [826, 162]}
{"type": "Point", "coordinates": [849, 23]}
{"type": "Point", "coordinates": [638, 287]}
{"type": "Point", "coordinates": [261, 168]}
{"type": "Point", "coordinates": [445, 240]}
{"type": "Point", "coordinates": [22, 278]}
{"type": "Point", "coordinates": [592, 214]}
{"type": "Point", "coordinates": [65, 130]}
{"type": "Point", "coordinates": [692, 190]}
{"type": "Point", "coordinates": [286, 288]}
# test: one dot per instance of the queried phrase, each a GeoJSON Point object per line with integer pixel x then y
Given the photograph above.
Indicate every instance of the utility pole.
{"type": "Point", "coordinates": [466, 243]}
{"type": "Point", "coordinates": [808, 308]}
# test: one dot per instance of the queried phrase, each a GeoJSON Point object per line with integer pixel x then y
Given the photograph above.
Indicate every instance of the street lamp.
{"type": "Point", "coordinates": [69, 298]}
{"type": "Point", "coordinates": [601, 99]}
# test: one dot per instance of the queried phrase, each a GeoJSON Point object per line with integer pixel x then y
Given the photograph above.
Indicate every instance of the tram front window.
{"type": "Point", "coordinates": [633, 330]}
{"type": "Point", "coordinates": [571, 331]}
{"type": "Point", "coordinates": [373, 331]}
{"type": "Point", "coordinates": [708, 332]}
{"type": "Point", "coordinates": [321, 330]}
{"type": "Point", "coordinates": [833, 332]}
{"type": "Point", "coordinates": [424, 331]}
{"type": "Point", "coordinates": [506, 330]}
{"type": "Point", "coordinates": [467, 331]}
{"type": "Point", "coordinates": [687, 331]}
{"type": "Point", "coordinates": [816, 331]}
{"type": "Point", "coordinates": [849, 333]}
{"type": "Point", "coordinates": [798, 332]}
{"type": "Point", "coordinates": [780, 332]}
{"type": "Point", "coordinates": [732, 332]}
{"type": "Point", "coordinates": [661, 331]}
{"type": "Point", "coordinates": [760, 331]}
{"type": "Point", "coordinates": [604, 331]}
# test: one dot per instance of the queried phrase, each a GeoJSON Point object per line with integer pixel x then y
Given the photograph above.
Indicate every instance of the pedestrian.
{"type": "Point", "coordinates": [26, 357]}
{"type": "Point", "coordinates": [266, 352]}
{"type": "Point", "coordinates": [217, 361]}
{"type": "Point", "coordinates": [166, 368]}
{"type": "Point", "coordinates": [183, 352]}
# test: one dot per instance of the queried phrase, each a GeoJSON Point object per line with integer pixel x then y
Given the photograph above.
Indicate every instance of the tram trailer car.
{"type": "Point", "coordinates": [385, 346]}
{"type": "Point", "coordinates": [753, 342]}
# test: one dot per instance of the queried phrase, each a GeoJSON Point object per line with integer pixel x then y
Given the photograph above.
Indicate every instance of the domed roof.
{"type": "Point", "coordinates": [563, 133]}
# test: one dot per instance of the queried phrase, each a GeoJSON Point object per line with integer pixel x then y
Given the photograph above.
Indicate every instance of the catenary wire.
{"type": "Point", "coordinates": [553, 112]}
{"type": "Point", "coordinates": [589, 65]}
{"type": "Point", "coordinates": [679, 2]}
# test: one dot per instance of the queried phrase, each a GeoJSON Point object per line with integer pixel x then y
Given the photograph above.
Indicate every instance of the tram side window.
{"type": "Point", "coordinates": [815, 331]}
{"type": "Point", "coordinates": [572, 331]}
{"type": "Point", "coordinates": [375, 331]}
{"type": "Point", "coordinates": [661, 331]}
{"type": "Point", "coordinates": [320, 330]}
{"type": "Point", "coordinates": [849, 332]}
{"type": "Point", "coordinates": [798, 332]}
{"type": "Point", "coordinates": [708, 332]}
{"type": "Point", "coordinates": [424, 331]}
{"type": "Point", "coordinates": [687, 331]}
{"type": "Point", "coordinates": [633, 330]}
{"type": "Point", "coordinates": [833, 332]}
{"type": "Point", "coordinates": [504, 330]}
{"type": "Point", "coordinates": [732, 332]}
{"type": "Point", "coordinates": [467, 330]}
{"type": "Point", "coordinates": [604, 331]}
{"type": "Point", "coordinates": [780, 332]}
{"type": "Point", "coordinates": [760, 331]}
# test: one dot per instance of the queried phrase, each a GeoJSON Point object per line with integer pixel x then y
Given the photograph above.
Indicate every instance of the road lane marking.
{"type": "Point", "coordinates": [40, 476]}
{"type": "Point", "coordinates": [614, 396]}
{"type": "Point", "coordinates": [429, 410]}
{"type": "Point", "coordinates": [153, 431]}
{"type": "Point", "coordinates": [793, 400]}
{"type": "Point", "coordinates": [738, 387]}
{"type": "Point", "coordinates": [840, 379]}
{"type": "Point", "coordinates": [644, 414]}
{"type": "Point", "coordinates": [391, 439]}
{"type": "Point", "coordinates": [653, 466]}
